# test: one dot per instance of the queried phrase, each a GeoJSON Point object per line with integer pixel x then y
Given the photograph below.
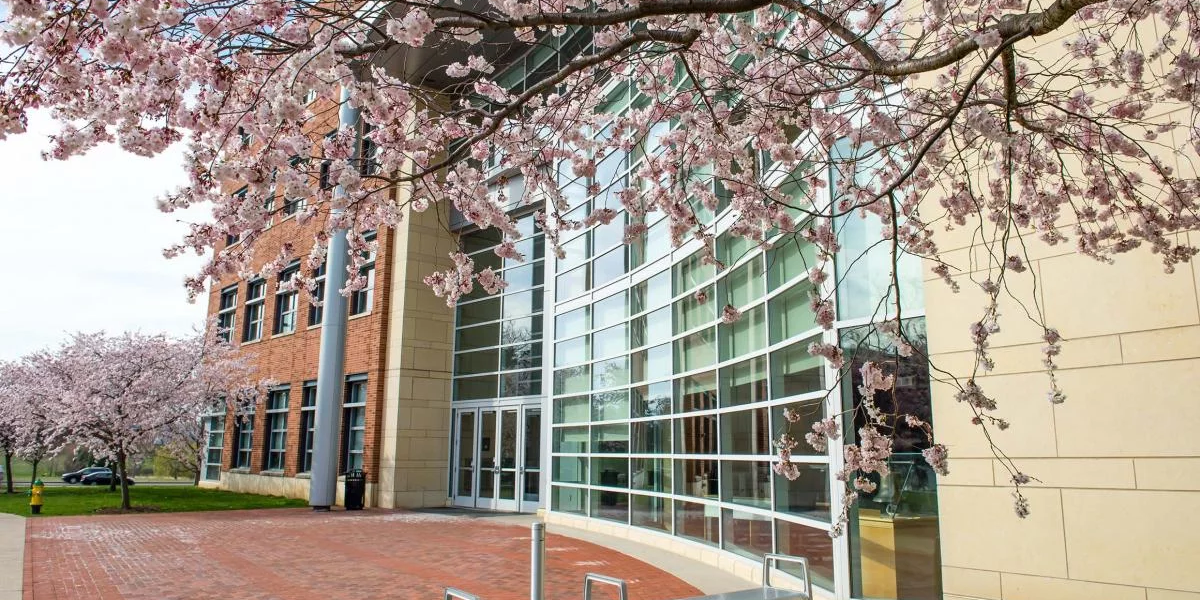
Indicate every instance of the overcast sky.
{"type": "Point", "coordinates": [81, 244]}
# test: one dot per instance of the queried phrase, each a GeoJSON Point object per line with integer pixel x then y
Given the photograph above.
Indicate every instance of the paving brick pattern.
{"type": "Point", "coordinates": [296, 554]}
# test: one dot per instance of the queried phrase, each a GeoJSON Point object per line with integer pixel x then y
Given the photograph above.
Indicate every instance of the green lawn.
{"type": "Point", "coordinates": [73, 500]}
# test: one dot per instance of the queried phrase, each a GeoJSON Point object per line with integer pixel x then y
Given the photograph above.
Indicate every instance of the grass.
{"type": "Point", "coordinates": [62, 501]}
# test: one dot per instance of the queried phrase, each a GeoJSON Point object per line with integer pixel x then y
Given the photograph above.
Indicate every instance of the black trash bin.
{"type": "Point", "coordinates": [356, 489]}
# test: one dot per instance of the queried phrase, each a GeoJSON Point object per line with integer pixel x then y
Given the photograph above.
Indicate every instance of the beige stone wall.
{"type": "Point", "coordinates": [274, 485]}
{"type": "Point", "coordinates": [414, 452]}
{"type": "Point", "coordinates": [1116, 513]}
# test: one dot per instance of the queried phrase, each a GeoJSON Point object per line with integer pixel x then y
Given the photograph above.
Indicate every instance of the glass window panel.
{"type": "Point", "coordinates": [569, 500]}
{"type": "Point", "coordinates": [696, 351]}
{"type": "Point", "coordinates": [608, 342]}
{"type": "Point", "coordinates": [812, 543]}
{"type": "Point", "coordinates": [609, 266]}
{"type": "Point", "coordinates": [611, 506]}
{"type": "Point", "coordinates": [610, 373]}
{"type": "Point", "coordinates": [744, 382]}
{"type": "Point", "coordinates": [573, 380]}
{"type": "Point", "coordinates": [610, 439]}
{"type": "Point", "coordinates": [731, 248]}
{"type": "Point", "coordinates": [521, 383]}
{"type": "Point", "coordinates": [571, 351]}
{"type": "Point", "coordinates": [653, 363]}
{"type": "Point", "coordinates": [571, 439]}
{"type": "Point", "coordinates": [610, 236]}
{"type": "Point", "coordinates": [658, 240]}
{"type": "Point", "coordinates": [652, 328]}
{"type": "Point", "coordinates": [532, 249]}
{"type": "Point", "coordinates": [746, 432]}
{"type": "Point", "coordinates": [475, 388]}
{"type": "Point", "coordinates": [480, 240]}
{"type": "Point", "coordinates": [657, 291]}
{"type": "Point", "coordinates": [610, 471]}
{"type": "Point", "coordinates": [652, 400]}
{"type": "Point", "coordinates": [480, 336]}
{"type": "Point", "coordinates": [609, 406]}
{"type": "Point", "coordinates": [468, 363]}
{"type": "Point", "coordinates": [521, 330]}
{"type": "Point", "coordinates": [523, 303]}
{"type": "Point", "coordinates": [806, 412]}
{"type": "Point", "coordinates": [747, 334]}
{"type": "Point", "coordinates": [570, 469]}
{"type": "Point", "coordinates": [651, 437]}
{"type": "Point", "coordinates": [696, 435]}
{"type": "Point", "coordinates": [700, 522]}
{"type": "Point", "coordinates": [747, 534]}
{"type": "Point", "coordinates": [572, 283]}
{"type": "Point", "coordinates": [689, 273]}
{"type": "Point", "coordinates": [744, 284]}
{"type": "Point", "coordinates": [807, 495]}
{"type": "Point", "coordinates": [479, 312]}
{"type": "Point", "coordinates": [790, 257]}
{"type": "Point", "coordinates": [795, 371]}
{"type": "Point", "coordinates": [791, 314]}
{"type": "Point", "coordinates": [523, 277]}
{"type": "Point", "coordinates": [696, 392]}
{"type": "Point", "coordinates": [696, 478]}
{"type": "Point", "coordinates": [575, 251]}
{"type": "Point", "coordinates": [609, 311]}
{"type": "Point", "coordinates": [690, 312]}
{"type": "Point", "coordinates": [651, 512]}
{"type": "Point", "coordinates": [523, 356]}
{"type": "Point", "coordinates": [573, 409]}
{"type": "Point", "coordinates": [572, 323]}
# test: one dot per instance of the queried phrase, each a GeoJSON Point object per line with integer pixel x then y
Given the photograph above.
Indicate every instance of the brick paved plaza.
{"type": "Point", "coordinates": [296, 554]}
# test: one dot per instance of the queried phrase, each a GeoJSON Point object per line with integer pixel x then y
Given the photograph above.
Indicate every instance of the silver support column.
{"type": "Point", "coordinates": [537, 563]}
{"type": "Point", "coordinates": [331, 364]}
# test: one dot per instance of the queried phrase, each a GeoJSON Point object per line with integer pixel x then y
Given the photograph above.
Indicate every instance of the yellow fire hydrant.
{"type": "Point", "coordinates": [35, 496]}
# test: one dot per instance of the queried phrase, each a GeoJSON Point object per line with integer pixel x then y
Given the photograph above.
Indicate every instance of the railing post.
{"type": "Point", "coordinates": [537, 563]}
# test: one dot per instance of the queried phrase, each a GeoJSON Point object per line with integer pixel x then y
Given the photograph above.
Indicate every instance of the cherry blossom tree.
{"type": "Point", "coordinates": [27, 405]}
{"type": "Point", "coordinates": [119, 395]}
{"type": "Point", "coordinates": [8, 430]}
{"type": "Point", "coordinates": [1024, 121]}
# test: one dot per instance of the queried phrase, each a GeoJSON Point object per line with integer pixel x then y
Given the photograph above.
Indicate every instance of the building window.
{"type": "Point", "coordinates": [369, 155]}
{"type": "Point", "coordinates": [308, 425]}
{"type": "Point", "coordinates": [310, 97]}
{"type": "Point", "coordinates": [354, 422]}
{"type": "Point", "coordinates": [255, 290]}
{"type": "Point", "coordinates": [293, 206]}
{"type": "Point", "coordinates": [316, 311]}
{"type": "Point", "coordinates": [326, 173]}
{"type": "Point", "coordinates": [243, 440]}
{"type": "Point", "coordinates": [227, 313]}
{"type": "Point", "coordinates": [214, 444]}
{"type": "Point", "coordinates": [243, 137]}
{"type": "Point", "coordinates": [362, 300]}
{"type": "Point", "coordinates": [276, 421]}
{"type": "Point", "coordinates": [233, 238]}
{"type": "Point", "coordinates": [285, 301]}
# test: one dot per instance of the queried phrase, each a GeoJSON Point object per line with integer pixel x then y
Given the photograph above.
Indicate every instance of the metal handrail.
{"type": "Point", "coordinates": [591, 578]}
{"type": "Point", "coordinates": [770, 560]}
{"type": "Point", "coordinates": [452, 593]}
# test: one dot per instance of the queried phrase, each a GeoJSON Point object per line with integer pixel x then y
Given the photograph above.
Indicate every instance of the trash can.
{"type": "Point", "coordinates": [356, 489]}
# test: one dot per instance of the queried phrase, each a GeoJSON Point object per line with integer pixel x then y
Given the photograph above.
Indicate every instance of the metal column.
{"type": "Point", "coordinates": [537, 563]}
{"type": "Point", "coordinates": [331, 366]}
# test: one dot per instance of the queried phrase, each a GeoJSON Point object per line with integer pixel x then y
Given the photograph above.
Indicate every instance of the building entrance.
{"type": "Point", "coordinates": [497, 457]}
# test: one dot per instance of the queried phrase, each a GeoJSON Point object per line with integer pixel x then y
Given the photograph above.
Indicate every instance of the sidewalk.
{"type": "Point", "coordinates": [12, 556]}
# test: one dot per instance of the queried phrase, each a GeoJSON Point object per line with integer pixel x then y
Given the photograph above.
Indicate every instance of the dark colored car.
{"type": "Point", "coordinates": [77, 476]}
{"type": "Point", "coordinates": [103, 477]}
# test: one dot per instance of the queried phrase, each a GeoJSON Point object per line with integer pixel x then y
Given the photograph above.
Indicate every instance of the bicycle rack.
{"type": "Point", "coordinates": [591, 578]}
{"type": "Point", "coordinates": [770, 560]}
{"type": "Point", "coordinates": [457, 594]}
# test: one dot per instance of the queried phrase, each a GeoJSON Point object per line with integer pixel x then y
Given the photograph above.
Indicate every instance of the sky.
{"type": "Point", "coordinates": [81, 244]}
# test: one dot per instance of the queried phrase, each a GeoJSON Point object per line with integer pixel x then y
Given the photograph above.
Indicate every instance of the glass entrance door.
{"type": "Point", "coordinates": [497, 458]}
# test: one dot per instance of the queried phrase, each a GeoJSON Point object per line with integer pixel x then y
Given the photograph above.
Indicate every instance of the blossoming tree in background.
{"type": "Point", "coordinates": [26, 403]}
{"type": "Point", "coordinates": [119, 395]}
{"type": "Point", "coordinates": [933, 115]}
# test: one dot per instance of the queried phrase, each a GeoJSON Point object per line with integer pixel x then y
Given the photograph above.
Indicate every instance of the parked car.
{"type": "Point", "coordinates": [77, 476]}
{"type": "Point", "coordinates": [103, 477]}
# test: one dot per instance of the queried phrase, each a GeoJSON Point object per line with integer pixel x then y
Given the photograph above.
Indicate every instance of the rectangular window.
{"type": "Point", "coordinates": [293, 206]}
{"type": "Point", "coordinates": [243, 439]}
{"type": "Point", "coordinates": [325, 177]}
{"type": "Point", "coordinates": [286, 300]}
{"type": "Point", "coordinates": [308, 425]}
{"type": "Point", "coordinates": [227, 314]}
{"type": "Point", "coordinates": [214, 444]}
{"type": "Point", "coordinates": [354, 423]}
{"type": "Point", "coordinates": [233, 238]}
{"type": "Point", "coordinates": [316, 312]}
{"type": "Point", "coordinates": [369, 154]}
{"type": "Point", "coordinates": [276, 438]}
{"type": "Point", "coordinates": [255, 290]}
{"type": "Point", "coordinates": [362, 300]}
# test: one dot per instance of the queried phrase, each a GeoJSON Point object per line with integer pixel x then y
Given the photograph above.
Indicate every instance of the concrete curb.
{"type": "Point", "coordinates": [12, 556]}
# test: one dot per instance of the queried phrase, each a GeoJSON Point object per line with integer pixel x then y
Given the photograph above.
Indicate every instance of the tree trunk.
{"type": "Point", "coordinates": [8, 470]}
{"type": "Point", "coordinates": [33, 476]}
{"type": "Point", "coordinates": [112, 481]}
{"type": "Point", "coordinates": [124, 482]}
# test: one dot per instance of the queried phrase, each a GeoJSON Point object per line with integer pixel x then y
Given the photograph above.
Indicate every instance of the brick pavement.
{"type": "Point", "coordinates": [296, 554]}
